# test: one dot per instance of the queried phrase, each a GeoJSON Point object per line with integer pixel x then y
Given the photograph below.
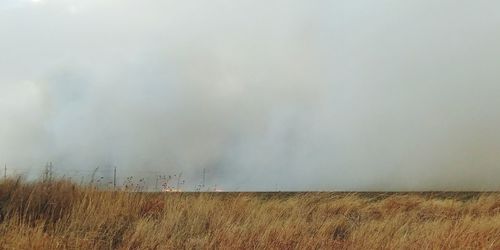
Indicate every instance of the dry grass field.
{"type": "Point", "coordinates": [61, 215]}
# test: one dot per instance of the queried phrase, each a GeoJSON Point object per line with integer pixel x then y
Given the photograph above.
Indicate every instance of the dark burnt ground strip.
{"type": "Point", "coordinates": [373, 196]}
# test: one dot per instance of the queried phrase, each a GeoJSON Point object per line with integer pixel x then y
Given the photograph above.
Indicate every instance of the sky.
{"type": "Point", "coordinates": [263, 95]}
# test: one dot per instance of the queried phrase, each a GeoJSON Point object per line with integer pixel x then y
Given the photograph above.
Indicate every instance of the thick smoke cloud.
{"type": "Point", "coordinates": [288, 95]}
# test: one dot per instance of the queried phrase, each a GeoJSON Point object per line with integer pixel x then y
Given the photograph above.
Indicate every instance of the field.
{"type": "Point", "coordinates": [61, 215]}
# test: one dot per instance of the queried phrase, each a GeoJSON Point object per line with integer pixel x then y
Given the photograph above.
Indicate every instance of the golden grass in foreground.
{"type": "Point", "coordinates": [60, 215]}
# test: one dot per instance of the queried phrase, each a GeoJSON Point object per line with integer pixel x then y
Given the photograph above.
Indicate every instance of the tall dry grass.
{"type": "Point", "coordinates": [61, 215]}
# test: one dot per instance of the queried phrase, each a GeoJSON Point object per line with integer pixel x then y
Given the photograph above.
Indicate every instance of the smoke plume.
{"type": "Point", "coordinates": [287, 95]}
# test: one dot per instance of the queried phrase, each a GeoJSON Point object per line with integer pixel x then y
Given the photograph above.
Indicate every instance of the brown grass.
{"type": "Point", "coordinates": [61, 215]}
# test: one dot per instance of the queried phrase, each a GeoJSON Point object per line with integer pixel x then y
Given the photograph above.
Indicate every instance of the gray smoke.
{"type": "Point", "coordinates": [289, 95]}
